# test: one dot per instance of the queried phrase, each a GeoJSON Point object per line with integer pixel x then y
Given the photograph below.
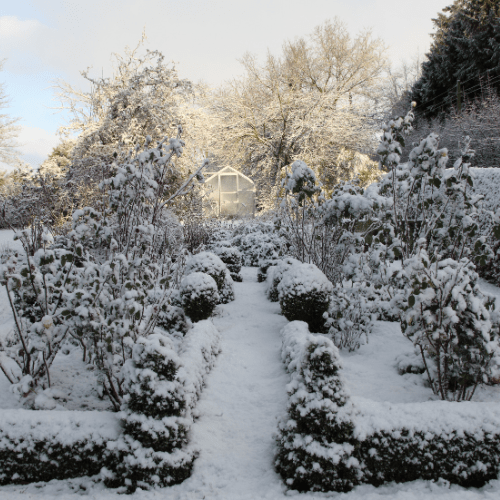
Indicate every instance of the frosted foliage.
{"type": "Point", "coordinates": [301, 182]}
{"type": "Point", "coordinates": [450, 320]}
{"type": "Point", "coordinates": [349, 317]}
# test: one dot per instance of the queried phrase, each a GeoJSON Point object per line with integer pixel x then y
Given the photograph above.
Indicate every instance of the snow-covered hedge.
{"type": "Point", "coordinates": [45, 445]}
{"type": "Point", "coordinates": [211, 264]}
{"type": "Point", "coordinates": [459, 442]}
{"type": "Point", "coordinates": [327, 443]}
{"type": "Point", "coordinates": [163, 386]}
{"type": "Point", "coordinates": [304, 295]}
{"type": "Point", "coordinates": [199, 295]}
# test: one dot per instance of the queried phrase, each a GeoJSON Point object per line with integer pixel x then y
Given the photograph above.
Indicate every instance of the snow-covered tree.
{"type": "Point", "coordinates": [8, 129]}
{"type": "Point", "coordinates": [465, 49]}
{"type": "Point", "coordinates": [309, 103]}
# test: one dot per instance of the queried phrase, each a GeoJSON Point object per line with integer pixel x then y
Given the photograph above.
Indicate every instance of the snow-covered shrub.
{"type": "Point", "coordinates": [304, 295]}
{"type": "Point", "coordinates": [162, 387]}
{"type": "Point", "coordinates": [410, 363]}
{"type": "Point", "coordinates": [231, 256]}
{"type": "Point", "coordinates": [211, 264]}
{"type": "Point", "coordinates": [257, 241]}
{"type": "Point", "coordinates": [448, 318]}
{"type": "Point", "coordinates": [154, 422]}
{"type": "Point", "coordinates": [275, 274]}
{"type": "Point", "coordinates": [37, 287]}
{"type": "Point", "coordinates": [46, 445]}
{"type": "Point", "coordinates": [430, 441]}
{"type": "Point", "coordinates": [314, 439]}
{"type": "Point", "coordinates": [199, 295]}
{"type": "Point", "coordinates": [349, 318]}
{"type": "Point", "coordinates": [172, 319]}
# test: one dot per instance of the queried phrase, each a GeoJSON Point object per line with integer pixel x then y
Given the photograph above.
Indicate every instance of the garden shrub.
{"type": "Point", "coordinates": [257, 241]}
{"type": "Point", "coordinates": [154, 420]}
{"type": "Point", "coordinates": [172, 319]}
{"type": "Point", "coordinates": [45, 445]}
{"type": "Point", "coordinates": [304, 295]}
{"type": "Point", "coordinates": [211, 264]}
{"type": "Point", "coordinates": [199, 295]}
{"type": "Point", "coordinates": [448, 319]}
{"type": "Point", "coordinates": [231, 257]}
{"type": "Point", "coordinates": [275, 274]}
{"type": "Point", "coordinates": [314, 440]}
{"type": "Point", "coordinates": [349, 318]}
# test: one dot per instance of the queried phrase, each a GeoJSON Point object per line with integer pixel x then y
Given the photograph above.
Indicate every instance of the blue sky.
{"type": "Point", "coordinates": [44, 40]}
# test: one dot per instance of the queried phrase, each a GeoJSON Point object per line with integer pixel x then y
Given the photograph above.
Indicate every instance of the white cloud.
{"type": "Point", "coordinates": [12, 28]}
{"type": "Point", "coordinates": [36, 144]}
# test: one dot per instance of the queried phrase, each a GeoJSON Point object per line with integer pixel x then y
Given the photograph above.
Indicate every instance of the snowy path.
{"type": "Point", "coordinates": [245, 393]}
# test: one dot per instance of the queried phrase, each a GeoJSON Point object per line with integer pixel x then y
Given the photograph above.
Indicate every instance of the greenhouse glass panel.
{"type": "Point", "coordinates": [228, 183]}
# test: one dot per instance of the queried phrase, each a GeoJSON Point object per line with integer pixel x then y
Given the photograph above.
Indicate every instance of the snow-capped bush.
{"type": "Point", "coordinates": [199, 295]}
{"type": "Point", "coordinates": [304, 295]}
{"type": "Point", "coordinates": [448, 318]}
{"type": "Point", "coordinates": [314, 439]}
{"type": "Point", "coordinates": [231, 257]}
{"type": "Point", "coordinates": [211, 264]}
{"type": "Point", "coordinates": [162, 387]}
{"type": "Point", "coordinates": [301, 182]}
{"type": "Point", "coordinates": [258, 241]}
{"type": "Point", "coordinates": [46, 445]}
{"type": "Point", "coordinates": [275, 275]}
{"type": "Point", "coordinates": [37, 286]}
{"type": "Point", "coordinates": [349, 318]}
{"type": "Point", "coordinates": [172, 319]}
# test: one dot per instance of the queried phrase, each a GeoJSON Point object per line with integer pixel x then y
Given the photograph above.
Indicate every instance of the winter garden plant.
{"type": "Point", "coordinates": [113, 273]}
{"type": "Point", "coordinates": [453, 325]}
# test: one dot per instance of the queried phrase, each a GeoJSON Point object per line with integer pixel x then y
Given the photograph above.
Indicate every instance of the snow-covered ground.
{"type": "Point", "coordinates": [244, 396]}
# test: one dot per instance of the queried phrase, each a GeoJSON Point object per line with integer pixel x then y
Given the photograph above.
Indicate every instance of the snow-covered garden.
{"type": "Point", "coordinates": [283, 287]}
{"type": "Point", "coordinates": [345, 344]}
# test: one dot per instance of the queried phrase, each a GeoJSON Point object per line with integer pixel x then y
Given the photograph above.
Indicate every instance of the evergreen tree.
{"type": "Point", "coordinates": [465, 49]}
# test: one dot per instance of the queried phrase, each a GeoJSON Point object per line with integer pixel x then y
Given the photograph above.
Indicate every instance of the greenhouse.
{"type": "Point", "coordinates": [230, 192]}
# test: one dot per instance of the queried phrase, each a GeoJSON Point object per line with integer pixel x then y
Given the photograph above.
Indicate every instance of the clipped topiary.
{"type": "Point", "coordinates": [304, 295]}
{"type": "Point", "coordinates": [211, 264]}
{"type": "Point", "coordinates": [155, 427]}
{"type": "Point", "coordinates": [199, 295]}
{"type": "Point", "coordinates": [231, 256]}
{"type": "Point", "coordinates": [314, 441]}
